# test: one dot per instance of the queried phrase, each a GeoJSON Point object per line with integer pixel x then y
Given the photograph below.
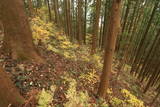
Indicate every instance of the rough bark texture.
{"type": "Point", "coordinates": [113, 29]}
{"type": "Point", "coordinates": [18, 36]}
{"type": "Point", "coordinates": [9, 95]}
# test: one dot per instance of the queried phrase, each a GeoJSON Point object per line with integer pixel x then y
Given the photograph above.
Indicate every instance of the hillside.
{"type": "Point", "coordinates": [71, 75]}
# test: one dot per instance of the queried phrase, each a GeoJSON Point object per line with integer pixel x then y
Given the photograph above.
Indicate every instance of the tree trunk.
{"type": "Point", "coordinates": [96, 26]}
{"type": "Point", "coordinates": [68, 18]}
{"type": "Point", "coordinates": [85, 22]}
{"type": "Point", "coordinates": [18, 39]}
{"type": "Point", "coordinates": [56, 11]}
{"type": "Point", "coordinates": [80, 18]}
{"type": "Point", "coordinates": [9, 95]}
{"type": "Point", "coordinates": [113, 29]}
{"type": "Point", "coordinates": [30, 6]}
{"type": "Point", "coordinates": [106, 14]}
{"type": "Point", "coordinates": [140, 47]}
{"type": "Point", "coordinates": [49, 10]}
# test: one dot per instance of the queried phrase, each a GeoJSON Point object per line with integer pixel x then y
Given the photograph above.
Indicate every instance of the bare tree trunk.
{"type": "Point", "coordinates": [49, 10]}
{"type": "Point", "coordinates": [9, 95]}
{"type": "Point", "coordinates": [113, 30]}
{"type": "Point", "coordinates": [18, 36]}
{"type": "Point", "coordinates": [140, 47]}
{"type": "Point", "coordinates": [85, 22]}
{"type": "Point", "coordinates": [96, 26]}
{"type": "Point", "coordinates": [56, 11]}
{"type": "Point", "coordinates": [80, 12]}
{"type": "Point", "coordinates": [31, 10]}
{"type": "Point", "coordinates": [106, 14]}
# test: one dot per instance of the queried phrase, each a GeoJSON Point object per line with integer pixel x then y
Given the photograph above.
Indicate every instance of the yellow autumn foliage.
{"type": "Point", "coordinates": [131, 99]}
{"type": "Point", "coordinates": [41, 30]}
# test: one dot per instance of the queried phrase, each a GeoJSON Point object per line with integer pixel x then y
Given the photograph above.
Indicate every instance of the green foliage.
{"type": "Point", "coordinates": [96, 59]}
{"type": "Point", "coordinates": [101, 103]}
{"type": "Point", "coordinates": [45, 98]}
{"type": "Point", "coordinates": [132, 100]}
{"type": "Point", "coordinates": [128, 100]}
{"type": "Point", "coordinates": [63, 46]}
{"type": "Point", "coordinates": [115, 102]}
{"type": "Point", "coordinates": [41, 30]}
{"type": "Point", "coordinates": [76, 98]}
{"type": "Point", "coordinates": [79, 98]}
{"type": "Point", "coordinates": [43, 13]}
{"type": "Point", "coordinates": [56, 41]}
{"type": "Point", "coordinates": [90, 78]}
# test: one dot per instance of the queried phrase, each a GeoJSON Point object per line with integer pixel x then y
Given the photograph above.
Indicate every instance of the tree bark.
{"type": "Point", "coordinates": [49, 10]}
{"type": "Point", "coordinates": [9, 95]}
{"type": "Point", "coordinates": [31, 10]}
{"type": "Point", "coordinates": [85, 22]}
{"type": "Point", "coordinates": [79, 19]}
{"type": "Point", "coordinates": [18, 39]}
{"type": "Point", "coordinates": [56, 11]}
{"type": "Point", "coordinates": [113, 30]}
{"type": "Point", "coordinates": [96, 26]}
{"type": "Point", "coordinates": [140, 47]}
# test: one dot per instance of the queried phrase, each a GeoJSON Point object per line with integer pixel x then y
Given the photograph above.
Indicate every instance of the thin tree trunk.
{"type": "Point", "coordinates": [105, 25]}
{"type": "Point", "coordinates": [140, 46]}
{"type": "Point", "coordinates": [85, 22]}
{"type": "Point", "coordinates": [96, 26]}
{"type": "Point", "coordinates": [80, 13]}
{"type": "Point", "coordinates": [49, 10]}
{"type": "Point", "coordinates": [56, 11]}
{"type": "Point", "coordinates": [31, 10]}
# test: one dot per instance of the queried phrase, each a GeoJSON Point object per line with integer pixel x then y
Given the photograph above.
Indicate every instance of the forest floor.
{"type": "Point", "coordinates": [70, 70]}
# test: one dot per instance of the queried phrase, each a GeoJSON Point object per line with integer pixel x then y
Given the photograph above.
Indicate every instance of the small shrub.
{"type": "Point", "coordinates": [90, 78]}
{"type": "Point", "coordinates": [132, 100]}
{"type": "Point", "coordinates": [115, 102]}
{"type": "Point", "coordinates": [41, 30]}
{"type": "Point", "coordinates": [45, 98]}
{"type": "Point", "coordinates": [76, 99]}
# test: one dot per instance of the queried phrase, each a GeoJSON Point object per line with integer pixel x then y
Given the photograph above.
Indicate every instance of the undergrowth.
{"type": "Point", "coordinates": [56, 41]}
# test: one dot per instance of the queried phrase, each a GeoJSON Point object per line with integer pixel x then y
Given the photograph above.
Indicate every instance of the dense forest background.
{"type": "Point", "coordinates": [80, 53]}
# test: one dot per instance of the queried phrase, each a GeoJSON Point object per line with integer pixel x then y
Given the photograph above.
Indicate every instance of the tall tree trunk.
{"type": "Point", "coordinates": [101, 31]}
{"type": "Point", "coordinates": [31, 10]}
{"type": "Point", "coordinates": [96, 26]}
{"type": "Point", "coordinates": [56, 11]}
{"type": "Point", "coordinates": [39, 3]}
{"type": "Point", "coordinates": [68, 18]}
{"type": "Point", "coordinates": [80, 18]}
{"type": "Point", "coordinates": [49, 10]}
{"type": "Point", "coordinates": [9, 95]}
{"type": "Point", "coordinates": [85, 22]}
{"type": "Point", "coordinates": [123, 26]}
{"type": "Point", "coordinates": [113, 29]}
{"type": "Point", "coordinates": [106, 14]}
{"type": "Point", "coordinates": [140, 45]}
{"type": "Point", "coordinates": [18, 36]}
